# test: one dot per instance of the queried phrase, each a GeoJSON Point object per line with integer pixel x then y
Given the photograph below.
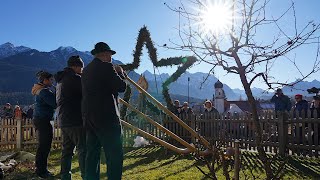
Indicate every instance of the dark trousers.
{"type": "Point", "coordinates": [72, 137]}
{"type": "Point", "coordinates": [44, 137]}
{"type": "Point", "coordinates": [112, 146]}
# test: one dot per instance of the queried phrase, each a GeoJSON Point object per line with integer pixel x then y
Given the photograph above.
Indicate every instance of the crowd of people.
{"type": "Point", "coordinates": [301, 106]}
{"type": "Point", "coordinates": [85, 101]}
{"type": "Point", "coordinates": [281, 102]}
{"type": "Point", "coordinates": [186, 109]}
{"type": "Point", "coordinates": [8, 112]}
{"type": "Point", "coordinates": [300, 109]}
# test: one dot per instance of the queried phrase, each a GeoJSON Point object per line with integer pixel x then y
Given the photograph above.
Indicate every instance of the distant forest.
{"type": "Point", "coordinates": [16, 98]}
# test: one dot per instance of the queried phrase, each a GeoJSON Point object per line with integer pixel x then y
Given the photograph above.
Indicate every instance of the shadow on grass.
{"type": "Point", "coordinates": [306, 167]}
{"type": "Point", "coordinates": [295, 166]}
{"type": "Point", "coordinates": [146, 156]}
{"type": "Point", "coordinates": [176, 172]}
{"type": "Point", "coordinates": [251, 160]}
{"type": "Point", "coordinates": [150, 154]}
{"type": "Point", "coordinates": [25, 174]}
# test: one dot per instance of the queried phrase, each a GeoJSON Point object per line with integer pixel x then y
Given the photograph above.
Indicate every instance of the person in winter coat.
{"type": "Point", "coordinates": [30, 112]}
{"type": "Point", "coordinates": [208, 108]}
{"type": "Point", "coordinates": [45, 103]}
{"type": "Point", "coordinates": [282, 102]}
{"type": "Point", "coordinates": [7, 111]}
{"type": "Point", "coordinates": [176, 107]}
{"type": "Point", "coordinates": [100, 87]}
{"type": "Point", "coordinates": [69, 96]}
{"type": "Point", "coordinates": [17, 113]}
{"type": "Point", "coordinates": [315, 107]}
{"type": "Point", "coordinates": [300, 106]}
{"type": "Point", "coordinates": [186, 109]}
{"type": "Point", "coordinates": [315, 112]}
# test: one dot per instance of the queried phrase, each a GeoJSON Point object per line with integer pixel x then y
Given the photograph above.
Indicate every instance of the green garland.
{"type": "Point", "coordinates": [165, 91]}
{"type": "Point", "coordinates": [144, 38]}
{"type": "Point", "coordinates": [152, 107]}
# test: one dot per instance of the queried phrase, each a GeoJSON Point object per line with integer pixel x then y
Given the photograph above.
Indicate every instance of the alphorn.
{"type": "Point", "coordinates": [189, 147]}
{"type": "Point", "coordinates": [168, 132]}
{"type": "Point", "coordinates": [172, 115]}
{"type": "Point", "coordinates": [164, 143]}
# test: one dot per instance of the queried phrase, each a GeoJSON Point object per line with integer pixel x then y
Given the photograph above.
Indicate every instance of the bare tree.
{"type": "Point", "coordinates": [239, 50]}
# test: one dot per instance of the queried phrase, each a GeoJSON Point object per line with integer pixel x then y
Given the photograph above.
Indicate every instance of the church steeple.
{"type": "Point", "coordinates": [219, 92]}
{"type": "Point", "coordinates": [218, 84]}
{"type": "Point", "coordinates": [219, 97]}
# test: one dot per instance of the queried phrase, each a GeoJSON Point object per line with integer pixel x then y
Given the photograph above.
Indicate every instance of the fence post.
{"type": "Point", "coordinates": [283, 132]}
{"type": "Point", "coordinates": [193, 126]}
{"type": "Point", "coordinates": [236, 160]}
{"type": "Point", "coordinates": [19, 132]}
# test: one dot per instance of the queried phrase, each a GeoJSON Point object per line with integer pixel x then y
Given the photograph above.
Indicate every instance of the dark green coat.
{"type": "Point", "coordinates": [100, 88]}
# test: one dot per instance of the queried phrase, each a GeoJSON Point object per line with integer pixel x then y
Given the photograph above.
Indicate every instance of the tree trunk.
{"type": "Point", "coordinates": [258, 132]}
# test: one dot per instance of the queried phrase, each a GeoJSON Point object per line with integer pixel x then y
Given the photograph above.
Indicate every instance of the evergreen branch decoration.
{"type": "Point", "coordinates": [189, 61]}
{"type": "Point", "coordinates": [144, 38]}
{"type": "Point", "coordinates": [152, 107]}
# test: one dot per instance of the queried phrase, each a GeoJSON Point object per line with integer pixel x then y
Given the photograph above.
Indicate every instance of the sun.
{"type": "Point", "coordinates": [216, 17]}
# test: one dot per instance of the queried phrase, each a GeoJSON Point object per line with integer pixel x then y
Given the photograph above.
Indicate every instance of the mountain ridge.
{"type": "Point", "coordinates": [8, 49]}
{"type": "Point", "coordinates": [19, 65]}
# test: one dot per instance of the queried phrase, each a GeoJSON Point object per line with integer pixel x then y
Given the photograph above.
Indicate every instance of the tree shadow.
{"type": "Point", "coordinates": [307, 167]}
{"type": "Point", "coordinates": [177, 172]}
{"type": "Point", "coordinates": [155, 152]}
{"type": "Point", "coordinates": [251, 160]}
{"type": "Point", "coordinates": [299, 167]}
{"type": "Point", "coordinates": [153, 168]}
{"type": "Point", "coordinates": [148, 155]}
{"type": "Point", "coordinates": [294, 166]}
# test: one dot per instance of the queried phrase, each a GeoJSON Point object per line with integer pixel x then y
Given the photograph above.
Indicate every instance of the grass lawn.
{"type": "Point", "coordinates": [154, 163]}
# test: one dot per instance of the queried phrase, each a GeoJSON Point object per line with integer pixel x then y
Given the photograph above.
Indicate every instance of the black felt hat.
{"type": "Point", "coordinates": [101, 47]}
{"type": "Point", "coordinates": [317, 97]}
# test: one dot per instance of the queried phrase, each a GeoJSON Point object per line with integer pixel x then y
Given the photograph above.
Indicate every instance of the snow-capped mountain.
{"type": "Point", "coordinates": [301, 88]}
{"type": "Point", "coordinates": [17, 71]}
{"type": "Point", "coordinates": [8, 49]}
{"type": "Point", "coordinates": [206, 92]}
{"type": "Point", "coordinates": [20, 64]}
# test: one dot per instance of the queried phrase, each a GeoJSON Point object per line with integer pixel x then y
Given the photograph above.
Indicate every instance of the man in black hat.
{"type": "Point", "coordinates": [69, 96]}
{"type": "Point", "coordinates": [101, 83]}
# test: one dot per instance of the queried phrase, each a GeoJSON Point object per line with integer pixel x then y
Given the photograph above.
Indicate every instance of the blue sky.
{"type": "Point", "coordinates": [45, 25]}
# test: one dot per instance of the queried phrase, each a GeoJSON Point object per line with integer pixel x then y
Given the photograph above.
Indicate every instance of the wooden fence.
{"type": "Point", "coordinates": [283, 133]}
{"type": "Point", "coordinates": [20, 134]}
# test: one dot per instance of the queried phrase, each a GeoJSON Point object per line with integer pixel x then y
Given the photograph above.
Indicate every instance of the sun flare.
{"type": "Point", "coordinates": [216, 17]}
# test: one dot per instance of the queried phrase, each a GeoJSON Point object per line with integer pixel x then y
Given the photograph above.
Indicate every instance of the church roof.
{"type": "Point", "coordinates": [243, 105]}
{"type": "Point", "coordinates": [267, 105]}
{"type": "Point", "coordinates": [218, 84]}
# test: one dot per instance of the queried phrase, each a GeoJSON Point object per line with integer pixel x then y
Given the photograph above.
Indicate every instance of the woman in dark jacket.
{"type": "Point", "coordinates": [315, 107]}
{"type": "Point", "coordinates": [45, 103]}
